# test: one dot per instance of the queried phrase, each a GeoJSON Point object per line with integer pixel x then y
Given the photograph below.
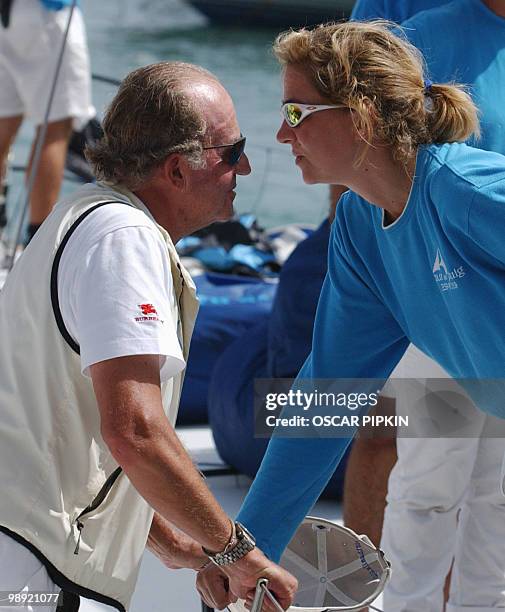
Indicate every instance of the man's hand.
{"type": "Point", "coordinates": [245, 573]}
{"type": "Point", "coordinates": [173, 547]}
{"type": "Point", "coordinates": [220, 586]}
{"type": "Point", "coordinates": [214, 588]}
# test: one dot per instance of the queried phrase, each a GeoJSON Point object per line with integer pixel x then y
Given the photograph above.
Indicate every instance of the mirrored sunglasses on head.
{"type": "Point", "coordinates": [231, 152]}
{"type": "Point", "coordinates": [294, 113]}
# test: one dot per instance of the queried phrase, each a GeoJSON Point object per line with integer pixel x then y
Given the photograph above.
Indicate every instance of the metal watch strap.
{"type": "Point", "coordinates": [231, 542]}
{"type": "Point", "coordinates": [245, 543]}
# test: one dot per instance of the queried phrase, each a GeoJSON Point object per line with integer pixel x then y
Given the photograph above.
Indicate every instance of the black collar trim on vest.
{"type": "Point", "coordinates": [64, 583]}
{"type": "Point", "coordinates": [54, 275]}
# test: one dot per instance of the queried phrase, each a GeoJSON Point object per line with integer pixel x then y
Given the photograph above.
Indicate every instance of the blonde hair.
{"type": "Point", "coordinates": [152, 116]}
{"type": "Point", "coordinates": [380, 76]}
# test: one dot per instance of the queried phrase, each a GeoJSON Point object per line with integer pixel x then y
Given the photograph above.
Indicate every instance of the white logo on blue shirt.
{"type": "Point", "coordinates": [439, 263]}
{"type": "Point", "coordinates": [446, 279]}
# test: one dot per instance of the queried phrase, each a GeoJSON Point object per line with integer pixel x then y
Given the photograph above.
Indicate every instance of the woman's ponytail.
{"type": "Point", "coordinates": [451, 114]}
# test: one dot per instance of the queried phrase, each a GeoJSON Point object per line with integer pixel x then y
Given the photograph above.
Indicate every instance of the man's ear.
{"type": "Point", "coordinates": [176, 170]}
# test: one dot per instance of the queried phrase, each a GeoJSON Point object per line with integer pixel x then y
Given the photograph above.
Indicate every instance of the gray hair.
{"type": "Point", "coordinates": [151, 117]}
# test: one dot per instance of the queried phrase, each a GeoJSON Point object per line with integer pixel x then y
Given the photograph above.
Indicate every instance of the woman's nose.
{"type": "Point", "coordinates": [284, 135]}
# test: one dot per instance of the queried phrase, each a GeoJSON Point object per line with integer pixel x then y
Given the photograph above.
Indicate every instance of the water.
{"type": "Point", "coordinates": [125, 34]}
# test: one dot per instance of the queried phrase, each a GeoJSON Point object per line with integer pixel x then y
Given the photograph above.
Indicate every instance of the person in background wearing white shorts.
{"type": "Point", "coordinates": [29, 50]}
{"type": "Point", "coordinates": [444, 498]}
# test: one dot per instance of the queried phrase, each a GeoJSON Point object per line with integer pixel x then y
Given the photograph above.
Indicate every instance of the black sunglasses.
{"type": "Point", "coordinates": [233, 151]}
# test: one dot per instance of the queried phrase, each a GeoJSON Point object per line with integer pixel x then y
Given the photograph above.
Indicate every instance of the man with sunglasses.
{"type": "Point", "coordinates": [96, 319]}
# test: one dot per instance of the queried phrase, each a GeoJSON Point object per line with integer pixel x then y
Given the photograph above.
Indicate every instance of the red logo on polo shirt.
{"type": "Point", "coordinates": [147, 309]}
{"type": "Point", "coordinates": [149, 313]}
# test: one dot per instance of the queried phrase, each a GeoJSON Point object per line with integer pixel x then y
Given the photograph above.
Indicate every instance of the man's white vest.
{"type": "Point", "coordinates": [63, 495]}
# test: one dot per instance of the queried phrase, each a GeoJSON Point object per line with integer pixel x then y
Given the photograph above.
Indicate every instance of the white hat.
{"type": "Point", "coordinates": [336, 569]}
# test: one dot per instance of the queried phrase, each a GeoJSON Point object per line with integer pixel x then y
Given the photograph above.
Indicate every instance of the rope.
{"type": "Point", "coordinates": [105, 79]}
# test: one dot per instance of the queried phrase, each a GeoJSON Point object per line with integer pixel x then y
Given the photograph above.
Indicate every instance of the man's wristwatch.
{"type": "Point", "coordinates": [243, 543]}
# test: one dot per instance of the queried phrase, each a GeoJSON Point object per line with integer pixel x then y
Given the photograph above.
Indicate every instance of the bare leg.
{"type": "Point", "coordinates": [49, 177]}
{"type": "Point", "coordinates": [8, 129]}
{"type": "Point", "coordinates": [366, 480]}
{"type": "Point", "coordinates": [366, 485]}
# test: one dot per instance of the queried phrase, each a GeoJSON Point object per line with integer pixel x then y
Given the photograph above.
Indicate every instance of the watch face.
{"type": "Point", "coordinates": [241, 530]}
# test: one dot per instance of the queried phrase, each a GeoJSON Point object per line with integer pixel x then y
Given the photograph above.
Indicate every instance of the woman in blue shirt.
{"type": "Point", "coordinates": [415, 253]}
